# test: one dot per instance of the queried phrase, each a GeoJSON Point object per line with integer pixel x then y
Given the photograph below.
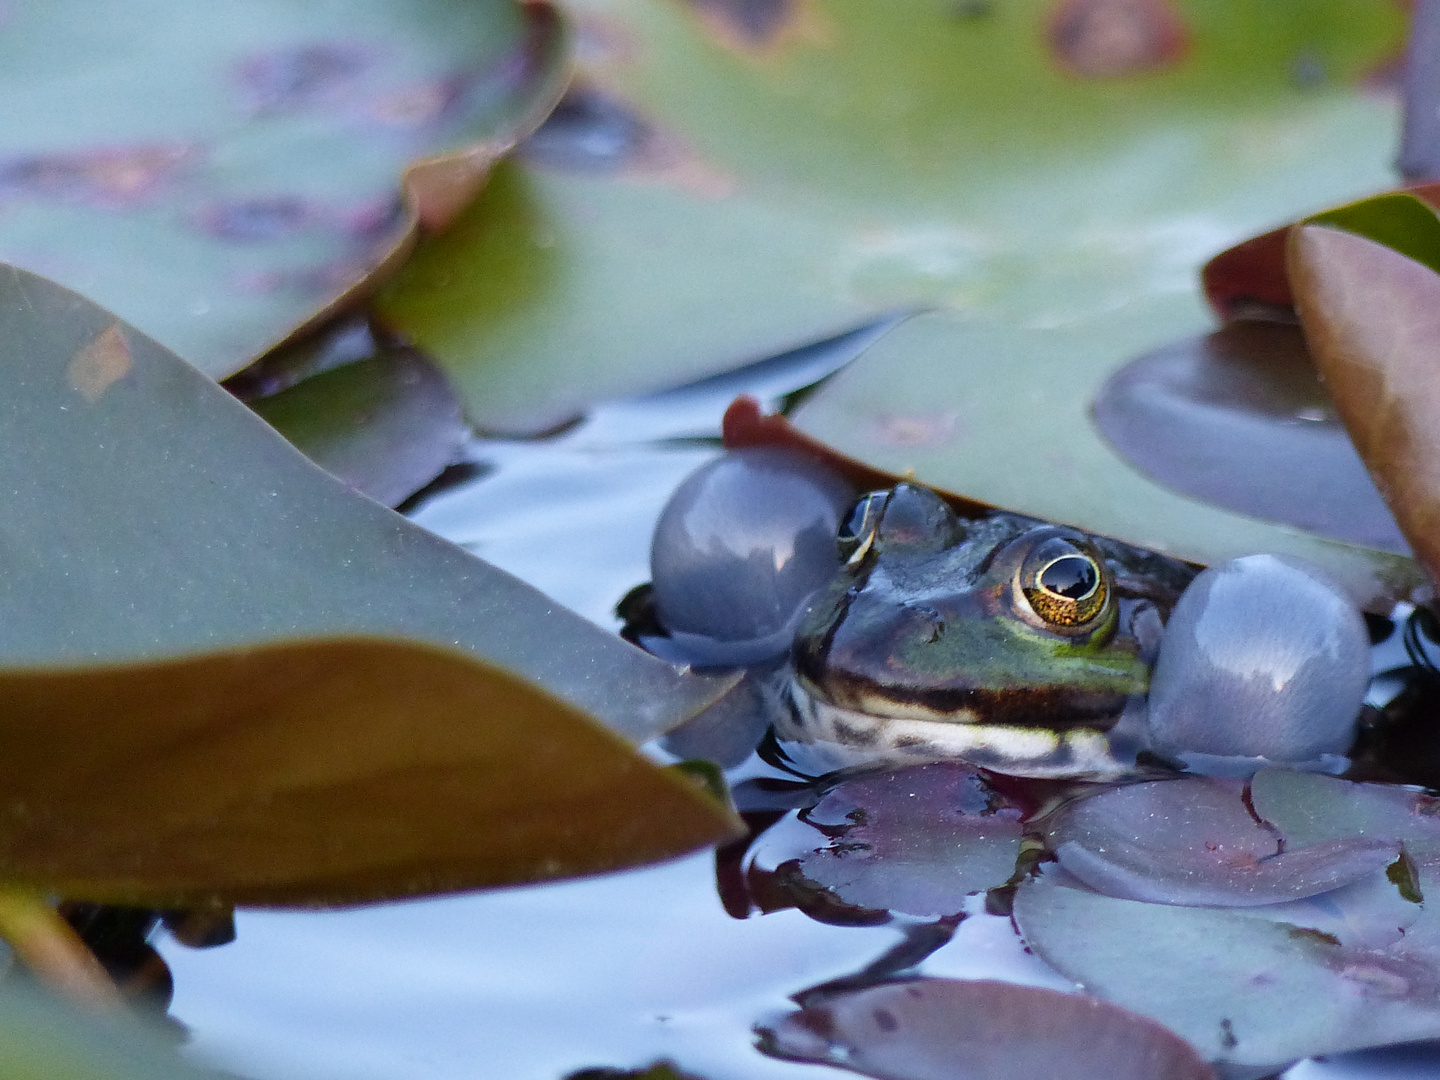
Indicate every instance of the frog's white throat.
{"type": "Point", "coordinates": [819, 737]}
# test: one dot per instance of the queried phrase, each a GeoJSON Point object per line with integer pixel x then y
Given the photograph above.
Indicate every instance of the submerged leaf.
{"type": "Point", "coordinates": [949, 1029]}
{"type": "Point", "coordinates": [163, 518]}
{"type": "Point", "coordinates": [1239, 418]}
{"type": "Point", "coordinates": [319, 772]}
{"type": "Point", "coordinates": [226, 173]}
{"type": "Point", "coordinates": [386, 425]}
{"type": "Point", "coordinates": [1372, 319]}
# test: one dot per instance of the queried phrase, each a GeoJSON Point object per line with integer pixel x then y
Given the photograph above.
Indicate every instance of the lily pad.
{"type": "Point", "coordinates": [218, 176]}
{"type": "Point", "coordinates": [1239, 418]}
{"type": "Point", "coordinates": [1238, 987]}
{"type": "Point", "coordinates": [942, 395]}
{"type": "Point", "coordinates": [951, 1029]}
{"type": "Point", "coordinates": [731, 179]}
{"type": "Point", "coordinates": [319, 772]}
{"type": "Point", "coordinates": [913, 841]}
{"type": "Point", "coordinates": [150, 515]}
{"type": "Point", "coordinates": [1369, 314]}
{"type": "Point", "coordinates": [386, 425]}
{"type": "Point", "coordinates": [1194, 842]}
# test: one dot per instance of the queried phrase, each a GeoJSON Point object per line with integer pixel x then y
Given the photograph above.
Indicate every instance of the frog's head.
{"type": "Point", "coordinates": [1001, 624]}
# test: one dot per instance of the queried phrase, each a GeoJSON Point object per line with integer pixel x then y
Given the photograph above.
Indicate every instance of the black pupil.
{"type": "Point", "coordinates": [1071, 576]}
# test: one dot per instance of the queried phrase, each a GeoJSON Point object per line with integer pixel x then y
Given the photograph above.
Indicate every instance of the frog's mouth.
{"type": "Point", "coordinates": [838, 735]}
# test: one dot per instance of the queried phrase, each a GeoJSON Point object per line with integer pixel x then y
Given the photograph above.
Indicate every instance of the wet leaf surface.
{"type": "Point", "coordinates": [385, 426]}
{"type": "Point", "coordinates": [913, 841]}
{"type": "Point", "coordinates": [949, 1029]}
{"type": "Point", "coordinates": [264, 548]}
{"type": "Point", "coordinates": [1194, 842]}
{"type": "Point", "coordinates": [1239, 987]}
{"type": "Point", "coordinates": [223, 175]}
{"type": "Point", "coordinates": [753, 175]}
{"type": "Point", "coordinates": [319, 772]}
{"type": "Point", "coordinates": [1240, 419]}
{"type": "Point", "coordinates": [1372, 319]}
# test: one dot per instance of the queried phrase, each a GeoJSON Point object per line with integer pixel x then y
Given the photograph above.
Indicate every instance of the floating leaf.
{"type": "Point", "coordinates": [729, 179]}
{"type": "Point", "coordinates": [162, 518]}
{"type": "Point", "coordinates": [914, 841]}
{"type": "Point", "coordinates": [1253, 272]}
{"type": "Point", "coordinates": [1194, 842]}
{"type": "Point", "coordinates": [1372, 319]}
{"type": "Point", "coordinates": [1313, 809]}
{"type": "Point", "coordinates": [1239, 418]}
{"type": "Point", "coordinates": [1239, 987]}
{"type": "Point", "coordinates": [319, 772]}
{"type": "Point", "coordinates": [226, 173]}
{"type": "Point", "coordinates": [949, 1029]}
{"type": "Point", "coordinates": [930, 397]}
{"type": "Point", "coordinates": [386, 425]}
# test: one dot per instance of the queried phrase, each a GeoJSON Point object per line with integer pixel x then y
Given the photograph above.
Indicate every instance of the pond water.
{"type": "Point", "coordinates": [533, 983]}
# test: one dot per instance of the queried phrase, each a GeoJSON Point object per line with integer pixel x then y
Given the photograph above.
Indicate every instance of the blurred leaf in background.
{"type": "Point", "coordinates": [217, 175]}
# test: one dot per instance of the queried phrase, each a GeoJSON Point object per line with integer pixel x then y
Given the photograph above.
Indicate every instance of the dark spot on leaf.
{"type": "Point", "coordinates": [420, 104]}
{"type": "Point", "coordinates": [589, 131]}
{"type": "Point", "coordinates": [1307, 933]}
{"type": "Point", "coordinates": [115, 177]}
{"type": "Point", "coordinates": [264, 218]}
{"type": "Point", "coordinates": [972, 9]}
{"type": "Point", "coordinates": [1107, 39]}
{"type": "Point", "coordinates": [753, 23]}
{"type": "Point", "coordinates": [300, 78]}
{"type": "Point", "coordinates": [1227, 1035]}
{"type": "Point", "coordinates": [1307, 70]}
{"type": "Point", "coordinates": [885, 1020]}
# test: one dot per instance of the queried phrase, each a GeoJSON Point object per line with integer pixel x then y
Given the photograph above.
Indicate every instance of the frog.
{"type": "Point", "coordinates": [1017, 645]}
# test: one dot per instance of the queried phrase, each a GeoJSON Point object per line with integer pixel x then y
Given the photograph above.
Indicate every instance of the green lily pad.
{"type": "Point", "coordinates": [227, 678]}
{"type": "Point", "coordinates": [1000, 414]}
{"type": "Point", "coordinates": [721, 186]}
{"type": "Point", "coordinates": [151, 515]}
{"type": "Point", "coordinates": [217, 176]}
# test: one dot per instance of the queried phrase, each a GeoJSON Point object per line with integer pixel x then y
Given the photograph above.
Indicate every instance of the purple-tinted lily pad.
{"type": "Point", "coordinates": [1194, 842]}
{"type": "Point", "coordinates": [952, 1029]}
{"type": "Point", "coordinates": [915, 841]}
{"type": "Point", "coordinates": [1240, 419]}
{"type": "Point", "coordinates": [1240, 988]}
{"type": "Point", "coordinates": [1315, 809]}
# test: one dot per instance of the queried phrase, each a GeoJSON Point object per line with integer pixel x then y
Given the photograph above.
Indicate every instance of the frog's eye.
{"type": "Point", "coordinates": [858, 532]}
{"type": "Point", "coordinates": [1064, 583]}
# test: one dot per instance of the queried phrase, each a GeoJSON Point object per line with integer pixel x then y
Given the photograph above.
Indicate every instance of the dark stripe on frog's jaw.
{"type": "Point", "coordinates": [1058, 708]}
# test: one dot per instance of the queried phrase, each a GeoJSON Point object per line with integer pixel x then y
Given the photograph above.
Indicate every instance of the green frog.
{"type": "Point", "coordinates": [1016, 645]}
